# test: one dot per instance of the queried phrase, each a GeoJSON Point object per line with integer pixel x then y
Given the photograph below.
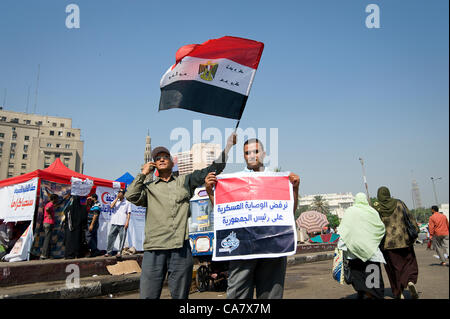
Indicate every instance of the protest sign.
{"type": "Point", "coordinates": [254, 216]}
{"type": "Point", "coordinates": [17, 202]}
{"type": "Point", "coordinates": [136, 226]}
{"type": "Point", "coordinates": [21, 249]}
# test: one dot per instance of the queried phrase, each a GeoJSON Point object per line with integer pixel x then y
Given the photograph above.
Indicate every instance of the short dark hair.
{"type": "Point", "coordinates": [54, 197]}
{"type": "Point", "coordinates": [253, 140]}
{"type": "Point", "coordinates": [434, 208]}
{"type": "Point", "coordinates": [94, 196]}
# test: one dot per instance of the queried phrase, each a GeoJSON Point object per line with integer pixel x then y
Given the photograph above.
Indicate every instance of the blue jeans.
{"type": "Point", "coordinates": [113, 232]}
{"type": "Point", "coordinates": [177, 263]}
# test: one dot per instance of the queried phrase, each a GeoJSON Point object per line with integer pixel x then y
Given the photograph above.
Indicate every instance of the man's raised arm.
{"type": "Point", "coordinates": [197, 178]}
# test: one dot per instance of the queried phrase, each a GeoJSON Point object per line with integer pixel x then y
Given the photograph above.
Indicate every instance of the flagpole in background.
{"type": "Point", "coordinates": [365, 180]}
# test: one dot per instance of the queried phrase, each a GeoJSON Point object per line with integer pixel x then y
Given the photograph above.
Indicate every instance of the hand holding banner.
{"type": "Point", "coordinates": [253, 216]}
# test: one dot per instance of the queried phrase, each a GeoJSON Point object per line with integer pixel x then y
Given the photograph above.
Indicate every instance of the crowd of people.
{"type": "Point", "coordinates": [370, 235]}
{"type": "Point", "coordinates": [81, 223]}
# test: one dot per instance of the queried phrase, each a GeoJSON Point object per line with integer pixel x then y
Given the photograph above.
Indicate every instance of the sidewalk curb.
{"type": "Point", "coordinates": [302, 259]}
{"type": "Point", "coordinates": [88, 289]}
{"type": "Point", "coordinates": [113, 284]}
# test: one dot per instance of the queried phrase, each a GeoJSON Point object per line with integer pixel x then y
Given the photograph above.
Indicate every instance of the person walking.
{"type": "Point", "coordinates": [166, 245]}
{"type": "Point", "coordinates": [49, 223]}
{"type": "Point", "coordinates": [361, 231]}
{"type": "Point", "coordinates": [120, 220]}
{"type": "Point", "coordinates": [438, 225]}
{"type": "Point", "coordinates": [265, 275]}
{"type": "Point", "coordinates": [398, 249]}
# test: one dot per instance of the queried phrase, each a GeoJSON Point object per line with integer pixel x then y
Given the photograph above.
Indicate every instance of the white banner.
{"type": "Point", "coordinates": [254, 216]}
{"type": "Point", "coordinates": [136, 227]}
{"type": "Point", "coordinates": [18, 202]}
{"type": "Point", "coordinates": [21, 249]}
{"type": "Point", "coordinates": [80, 187]}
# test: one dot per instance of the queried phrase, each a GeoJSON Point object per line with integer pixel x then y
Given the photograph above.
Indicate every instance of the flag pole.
{"type": "Point", "coordinates": [237, 124]}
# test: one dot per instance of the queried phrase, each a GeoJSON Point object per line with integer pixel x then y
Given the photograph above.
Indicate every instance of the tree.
{"type": "Point", "coordinates": [320, 204]}
{"type": "Point", "coordinates": [333, 220]}
{"type": "Point", "coordinates": [422, 215]}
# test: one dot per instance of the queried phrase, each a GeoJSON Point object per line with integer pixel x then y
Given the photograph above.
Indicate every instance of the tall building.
{"type": "Point", "coordinates": [31, 141]}
{"type": "Point", "coordinates": [417, 202]}
{"type": "Point", "coordinates": [148, 148]}
{"type": "Point", "coordinates": [200, 156]}
{"type": "Point", "coordinates": [336, 202]}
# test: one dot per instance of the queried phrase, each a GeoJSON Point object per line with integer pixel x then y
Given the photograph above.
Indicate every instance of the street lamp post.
{"type": "Point", "coordinates": [365, 180]}
{"type": "Point", "coordinates": [434, 189]}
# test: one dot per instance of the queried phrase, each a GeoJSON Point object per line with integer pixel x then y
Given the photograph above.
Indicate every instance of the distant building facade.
{"type": "Point", "coordinates": [444, 209]}
{"type": "Point", "coordinates": [31, 141]}
{"type": "Point", "coordinates": [200, 156]}
{"type": "Point", "coordinates": [148, 149]}
{"type": "Point", "coordinates": [336, 202]}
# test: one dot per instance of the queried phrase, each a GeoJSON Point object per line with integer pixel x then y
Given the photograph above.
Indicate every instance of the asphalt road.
{"type": "Point", "coordinates": [314, 281]}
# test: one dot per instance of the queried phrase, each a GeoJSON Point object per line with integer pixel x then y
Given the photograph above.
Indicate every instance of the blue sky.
{"type": "Point", "coordinates": [334, 89]}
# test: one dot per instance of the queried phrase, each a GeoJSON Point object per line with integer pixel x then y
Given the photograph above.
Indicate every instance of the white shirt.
{"type": "Point", "coordinates": [121, 210]}
{"type": "Point", "coordinates": [266, 169]}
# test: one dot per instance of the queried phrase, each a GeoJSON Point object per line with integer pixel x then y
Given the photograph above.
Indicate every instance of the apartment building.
{"type": "Point", "coordinates": [200, 156]}
{"type": "Point", "coordinates": [31, 141]}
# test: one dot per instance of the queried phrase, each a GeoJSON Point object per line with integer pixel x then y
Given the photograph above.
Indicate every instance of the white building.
{"type": "Point", "coordinates": [200, 156]}
{"type": "Point", "coordinates": [444, 209]}
{"type": "Point", "coordinates": [337, 202]}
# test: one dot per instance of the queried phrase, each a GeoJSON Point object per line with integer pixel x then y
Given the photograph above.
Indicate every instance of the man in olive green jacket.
{"type": "Point", "coordinates": [166, 243]}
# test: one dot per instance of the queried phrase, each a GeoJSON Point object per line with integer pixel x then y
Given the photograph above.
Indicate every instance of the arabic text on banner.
{"type": "Point", "coordinates": [136, 226]}
{"type": "Point", "coordinates": [253, 216]}
{"type": "Point", "coordinates": [17, 202]}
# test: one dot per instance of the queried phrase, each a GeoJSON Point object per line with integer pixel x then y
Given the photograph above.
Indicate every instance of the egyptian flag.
{"type": "Point", "coordinates": [214, 77]}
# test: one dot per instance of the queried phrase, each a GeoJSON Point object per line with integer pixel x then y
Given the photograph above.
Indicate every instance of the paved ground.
{"type": "Point", "coordinates": [313, 281]}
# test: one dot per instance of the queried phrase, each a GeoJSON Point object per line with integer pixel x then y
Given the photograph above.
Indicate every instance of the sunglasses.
{"type": "Point", "coordinates": [251, 152]}
{"type": "Point", "coordinates": [157, 158]}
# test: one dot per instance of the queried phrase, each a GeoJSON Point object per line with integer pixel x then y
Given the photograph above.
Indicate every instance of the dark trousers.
{"type": "Point", "coordinates": [367, 277]}
{"type": "Point", "coordinates": [176, 263]}
{"type": "Point", "coordinates": [91, 240]}
{"type": "Point", "coordinates": [265, 274]}
{"type": "Point", "coordinates": [48, 235]}
{"type": "Point", "coordinates": [401, 268]}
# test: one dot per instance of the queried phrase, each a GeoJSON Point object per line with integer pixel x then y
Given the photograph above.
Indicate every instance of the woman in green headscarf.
{"type": "Point", "coordinates": [361, 231]}
{"type": "Point", "coordinates": [398, 250]}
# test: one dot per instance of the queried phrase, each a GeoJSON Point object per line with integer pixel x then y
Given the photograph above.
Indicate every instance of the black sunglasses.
{"type": "Point", "coordinates": [157, 158]}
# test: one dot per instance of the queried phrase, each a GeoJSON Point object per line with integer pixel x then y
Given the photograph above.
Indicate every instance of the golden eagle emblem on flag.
{"type": "Point", "coordinates": [208, 71]}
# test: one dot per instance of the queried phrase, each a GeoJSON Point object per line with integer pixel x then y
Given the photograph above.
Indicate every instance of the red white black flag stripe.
{"type": "Point", "coordinates": [212, 78]}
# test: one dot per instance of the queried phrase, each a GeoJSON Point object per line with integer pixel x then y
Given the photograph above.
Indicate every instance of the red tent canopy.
{"type": "Point", "coordinates": [58, 173]}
